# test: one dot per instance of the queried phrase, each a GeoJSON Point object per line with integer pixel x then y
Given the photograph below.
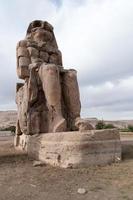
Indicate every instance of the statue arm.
{"type": "Point", "coordinates": [23, 59]}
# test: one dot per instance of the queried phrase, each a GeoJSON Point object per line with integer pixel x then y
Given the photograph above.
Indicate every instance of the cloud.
{"type": "Point", "coordinates": [98, 40]}
{"type": "Point", "coordinates": [95, 37]}
{"type": "Point", "coordinates": [14, 18]}
{"type": "Point", "coordinates": [109, 94]}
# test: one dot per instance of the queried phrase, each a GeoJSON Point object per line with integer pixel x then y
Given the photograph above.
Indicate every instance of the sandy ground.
{"type": "Point", "coordinates": [19, 180]}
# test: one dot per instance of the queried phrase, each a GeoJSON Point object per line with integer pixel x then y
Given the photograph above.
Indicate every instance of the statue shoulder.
{"type": "Point", "coordinates": [22, 43]}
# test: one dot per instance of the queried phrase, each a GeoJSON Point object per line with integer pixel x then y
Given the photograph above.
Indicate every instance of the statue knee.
{"type": "Point", "coordinates": [49, 67]}
{"type": "Point", "coordinates": [71, 73]}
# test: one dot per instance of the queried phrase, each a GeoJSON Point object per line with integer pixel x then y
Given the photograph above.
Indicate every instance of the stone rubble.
{"type": "Point", "coordinates": [82, 191]}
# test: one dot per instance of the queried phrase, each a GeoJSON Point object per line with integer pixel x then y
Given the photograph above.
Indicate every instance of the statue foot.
{"type": "Point", "coordinates": [83, 124]}
{"type": "Point", "coordinates": [60, 126]}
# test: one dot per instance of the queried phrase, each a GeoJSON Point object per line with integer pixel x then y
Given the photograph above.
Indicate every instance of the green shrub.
{"type": "Point", "coordinates": [130, 128]}
{"type": "Point", "coordinates": [101, 125]}
{"type": "Point", "coordinates": [10, 128]}
{"type": "Point", "coordinates": [109, 126]}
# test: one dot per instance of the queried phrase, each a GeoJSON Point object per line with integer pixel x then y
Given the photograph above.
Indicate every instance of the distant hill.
{"type": "Point", "coordinates": [116, 123]}
{"type": "Point", "coordinates": [121, 123]}
{"type": "Point", "coordinates": [8, 118]}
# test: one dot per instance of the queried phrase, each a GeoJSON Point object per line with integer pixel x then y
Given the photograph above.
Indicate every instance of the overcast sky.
{"type": "Point", "coordinates": [95, 37]}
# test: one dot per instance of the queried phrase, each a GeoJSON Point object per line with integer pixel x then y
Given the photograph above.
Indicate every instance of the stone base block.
{"type": "Point", "coordinates": [76, 149]}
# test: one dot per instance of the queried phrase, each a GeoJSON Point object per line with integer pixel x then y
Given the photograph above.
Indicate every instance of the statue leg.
{"type": "Point", "coordinates": [21, 100]}
{"type": "Point", "coordinates": [71, 97]}
{"type": "Point", "coordinates": [49, 75]}
{"type": "Point", "coordinates": [17, 134]}
{"type": "Point", "coordinates": [33, 122]}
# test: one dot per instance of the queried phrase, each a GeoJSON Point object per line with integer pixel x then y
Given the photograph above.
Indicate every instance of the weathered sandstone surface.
{"type": "Point", "coordinates": [49, 126]}
{"type": "Point", "coordinates": [74, 149]}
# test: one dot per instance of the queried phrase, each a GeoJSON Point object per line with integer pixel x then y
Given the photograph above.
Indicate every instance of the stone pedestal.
{"type": "Point", "coordinates": [49, 126]}
{"type": "Point", "coordinates": [76, 149]}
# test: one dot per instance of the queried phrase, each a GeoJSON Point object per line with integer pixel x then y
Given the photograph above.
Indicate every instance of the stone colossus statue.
{"type": "Point", "coordinates": [48, 100]}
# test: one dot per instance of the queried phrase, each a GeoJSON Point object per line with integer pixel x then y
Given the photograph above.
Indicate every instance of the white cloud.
{"type": "Point", "coordinates": [95, 37]}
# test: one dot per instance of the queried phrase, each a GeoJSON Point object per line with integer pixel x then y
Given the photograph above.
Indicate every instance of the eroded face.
{"type": "Point", "coordinates": [40, 32]}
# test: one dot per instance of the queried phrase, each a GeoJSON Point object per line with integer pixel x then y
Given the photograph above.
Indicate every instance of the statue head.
{"type": "Point", "coordinates": [40, 31]}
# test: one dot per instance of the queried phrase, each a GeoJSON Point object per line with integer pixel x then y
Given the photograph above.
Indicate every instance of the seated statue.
{"type": "Point", "coordinates": [48, 99]}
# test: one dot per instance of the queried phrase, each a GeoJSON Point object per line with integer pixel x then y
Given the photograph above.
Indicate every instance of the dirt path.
{"type": "Point", "coordinates": [19, 180]}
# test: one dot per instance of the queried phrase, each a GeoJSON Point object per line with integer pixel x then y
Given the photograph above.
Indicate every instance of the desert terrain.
{"type": "Point", "coordinates": [19, 179]}
{"type": "Point", "coordinates": [8, 118]}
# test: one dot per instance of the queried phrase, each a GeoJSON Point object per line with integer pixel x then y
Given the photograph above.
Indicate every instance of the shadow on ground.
{"type": "Point", "coordinates": [127, 150]}
{"type": "Point", "coordinates": [20, 180]}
